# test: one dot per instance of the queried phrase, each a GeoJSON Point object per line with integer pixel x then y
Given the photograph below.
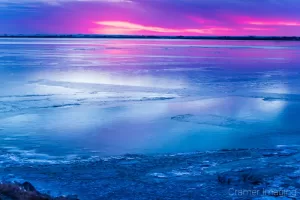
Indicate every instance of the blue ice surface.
{"type": "Point", "coordinates": [98, 97]}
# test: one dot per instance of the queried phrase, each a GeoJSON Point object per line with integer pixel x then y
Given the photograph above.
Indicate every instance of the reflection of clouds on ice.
{"type": "Point", "coordinates": [93, 77]}
{"type": "Point", "coordinates": [274, 107]}
{"type": "Point", "coordinates": [277, 89]}
{"type": "Point", "coordinates": [21, 120]}
{"type": "Point", "coordinates": [51, 89]}
{"type": "Point", "coordinates": [228, 110]}
{"type": "Point", "coordinates": [258, 109]}
{"type": "Point", "coordinates": [143, 111]}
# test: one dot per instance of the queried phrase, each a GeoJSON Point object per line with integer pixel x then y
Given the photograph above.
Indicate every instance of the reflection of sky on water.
{"type": "Point", "coordinates": [134, 96]}
{"type": "Point", "coordinates": [143, 80]}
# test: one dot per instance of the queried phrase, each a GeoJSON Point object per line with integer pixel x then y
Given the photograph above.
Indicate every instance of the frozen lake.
{"type": "Point", "coordinates": [65, 99]}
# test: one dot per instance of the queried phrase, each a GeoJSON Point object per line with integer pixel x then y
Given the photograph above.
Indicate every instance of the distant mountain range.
{"type": "Point", "coordinates": [284, 38]}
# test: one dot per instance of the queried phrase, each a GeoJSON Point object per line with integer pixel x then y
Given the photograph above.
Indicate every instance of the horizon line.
{"type": "Point", "coordinates": [122, 36]}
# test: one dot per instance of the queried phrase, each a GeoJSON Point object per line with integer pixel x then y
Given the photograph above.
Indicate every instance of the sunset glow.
{"type": "Point", "coordinates": [155, 17]}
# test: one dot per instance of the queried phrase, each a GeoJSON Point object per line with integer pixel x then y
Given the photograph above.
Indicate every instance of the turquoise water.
{"type": "Point", "coordinates": [66, 99]}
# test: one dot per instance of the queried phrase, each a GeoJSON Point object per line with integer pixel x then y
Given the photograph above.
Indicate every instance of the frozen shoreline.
{"type": "Point", "coordinates": [222, 174]}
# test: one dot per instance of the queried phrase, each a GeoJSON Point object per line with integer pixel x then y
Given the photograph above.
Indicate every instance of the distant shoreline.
{"type": "Point", "coordinates": [273, 38]}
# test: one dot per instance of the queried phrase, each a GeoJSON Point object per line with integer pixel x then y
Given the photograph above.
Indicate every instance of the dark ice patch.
{"type": "Point", "coordinates": [62, 105]}
{"type": "Point", "coordinates": [214, 120]}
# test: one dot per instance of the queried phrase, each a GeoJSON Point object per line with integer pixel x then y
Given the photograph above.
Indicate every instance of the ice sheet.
{"type": "Point", "coordinates": [87, 97]}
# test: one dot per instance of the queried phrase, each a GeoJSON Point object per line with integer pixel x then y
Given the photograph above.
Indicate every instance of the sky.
{"type": "Point", "coordinates": [151, 17]}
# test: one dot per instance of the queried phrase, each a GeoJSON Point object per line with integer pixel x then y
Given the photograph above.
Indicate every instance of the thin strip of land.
{"type": "Point", "coordinates": [276, 38]}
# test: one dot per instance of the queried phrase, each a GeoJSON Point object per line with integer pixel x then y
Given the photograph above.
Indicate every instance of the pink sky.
{"type": "Point", "coordinates": [151, 17]}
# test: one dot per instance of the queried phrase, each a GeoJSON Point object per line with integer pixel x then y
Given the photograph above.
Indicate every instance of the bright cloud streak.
{"type": "Point", "coordinates": [275, 23]}
{"type": "Point", "coordinates": [127, 27]}
{"type": "Point", "coordinates": [137, 27]}
{"type": "Point", "coordinates": [258, 29]}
